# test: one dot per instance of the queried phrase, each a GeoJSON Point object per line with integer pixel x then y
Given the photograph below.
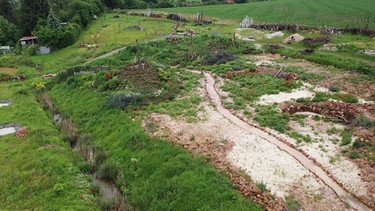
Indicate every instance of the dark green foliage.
{"type": "Point", "coordinates": [363, 121]}
{"type": "Point", "coordinates": [354, 154]}
{"type": "Point", "coordinates": [125, 100]}
{"type": "Point", "coordinates": [334, 88]}
{"type": "Point", "coordinates": [358, 143]}
{"type": "Point", "coordinates": [9, 33]}
{"type": "Point", "coordinates": [57, 37]}
{"type": "Point", "coordinates": [7, 10]}
{"type": "Point", "coordinates": [218, 57]}
{"type": "Point", "coordinates": [31, 12]}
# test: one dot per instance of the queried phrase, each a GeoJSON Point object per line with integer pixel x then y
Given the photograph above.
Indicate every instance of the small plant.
{"type": "Point", "coordinates": [192, 138]}
{"type": "Point", "coordinates": [346, 138]}
{"type": "Point", "coordinates": [316, 117]}
{"type": "Point", "coordinates": [303, 100]}
{"type": "Point", "coordinates": [354, 154]}
{"type": "Point", "coordinates": [318, 197]}
{"type": "Point", "coordinates": [262, 186]}
{"type": "Point", "coordinates": [334, 89]}
{"type": "Point", "coordinates": [363, 121]}
{"type": "Point", "coordinates": [292, 204]}
{"type": "Point", "coordinates": [125, 100]}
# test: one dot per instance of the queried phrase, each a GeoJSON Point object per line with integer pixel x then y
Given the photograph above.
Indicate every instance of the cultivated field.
{"type": "Point", "coordinates": [335, 13]}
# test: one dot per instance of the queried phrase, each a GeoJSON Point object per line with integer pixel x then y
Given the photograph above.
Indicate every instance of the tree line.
{"type": "Point", "coordinates": [56, 23]}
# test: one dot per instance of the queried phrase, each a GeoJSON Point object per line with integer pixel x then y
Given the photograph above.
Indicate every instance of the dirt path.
{"type": "Point", "coordinates": [301, 158]}
{"type": "Point", "coordinates": [119, 49]}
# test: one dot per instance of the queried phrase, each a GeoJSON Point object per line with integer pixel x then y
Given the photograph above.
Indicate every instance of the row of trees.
{"type": "Point", "coordinates": [57, 23]}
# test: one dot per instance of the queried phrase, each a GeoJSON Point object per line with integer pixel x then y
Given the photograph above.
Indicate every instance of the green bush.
{"type": "Point", "coordinates": [346, 138]}
{"type": "Point", "coordinates": [125, 100]}
{"type": "Point", "coordinates": [321, 97]}
{"type": "Point", "coordinates": [363, 121]}
{"type": "Point", "coordinates": [334, 88]}
{"type": "Point", "coordinates": [347, 98]}
{"type": "Point", "coordinates": [354, 154]}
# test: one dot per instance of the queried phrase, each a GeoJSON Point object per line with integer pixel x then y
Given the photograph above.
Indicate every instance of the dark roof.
{"type": "Point", "coordinates": [28, 38]}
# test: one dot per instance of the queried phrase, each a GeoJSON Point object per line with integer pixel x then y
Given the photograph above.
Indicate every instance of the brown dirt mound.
{"type": "Point", "coordinates": [140, 74]}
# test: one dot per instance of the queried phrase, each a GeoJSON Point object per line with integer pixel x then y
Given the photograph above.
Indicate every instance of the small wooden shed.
{"type": "Point", "coordinates": [28, 40]}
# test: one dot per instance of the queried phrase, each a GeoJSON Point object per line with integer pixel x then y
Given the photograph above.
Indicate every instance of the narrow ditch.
{"type": "Point", "coordinates": [315, 168]}
{"type": "Point", "coordinates": [111, 196]}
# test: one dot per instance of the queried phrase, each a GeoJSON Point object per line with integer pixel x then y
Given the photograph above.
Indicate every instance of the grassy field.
{"type": "Point", "coordinates": [107, 33]}
{"type": "Point", "coordinates": [156, 174]}
{"type": "Point", "coordinates": [335, 13]}
{"type": "Point", "coordinates": [39, 171]}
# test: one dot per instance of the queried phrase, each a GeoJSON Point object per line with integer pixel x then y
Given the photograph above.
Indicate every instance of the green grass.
{"type": "Point", "coordinates": [107, 33]}
{"type": "Point", "coordinates": [39, 171]}
{"type": "Point", "coordinates": [339, 13]}
{"type": "Point", "coordinates": [269, 116]}
{"type": "Point", "coordinates": [156, 174]}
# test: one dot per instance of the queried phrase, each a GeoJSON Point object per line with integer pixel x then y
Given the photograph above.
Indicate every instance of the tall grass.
{"type": "Point", "coordinates": [38, 171]}
{"type": "Point", "coordinates": [156, 174]}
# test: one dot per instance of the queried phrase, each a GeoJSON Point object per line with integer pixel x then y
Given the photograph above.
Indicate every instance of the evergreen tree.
{"type": "Point", "coordinates": [6, 10]}
{"type": "Point", "coordinates": [52, 20]}
{"type": "Point", "coordinates": [31, 11]}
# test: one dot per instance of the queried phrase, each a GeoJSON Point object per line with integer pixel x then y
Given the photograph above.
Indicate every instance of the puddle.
{"type": "Point", "coordinates": [109, 192]}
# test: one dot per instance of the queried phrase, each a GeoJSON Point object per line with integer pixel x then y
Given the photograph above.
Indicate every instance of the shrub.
{"type": "Point", "coordinates": [321, 96]}
{"type": "Point", "coordinates": [303, 100]}
{"type": "Point", "coordinates": [363, 121]}
{"type": "Point", "coordinates": [346, 138]}
{"type": "Point", "coordinates": [354, 154]}
{"type": "Point", "coordinates": [218, 57]}
{"type": "Point", "coordinates": [125, 100]}
{"type": "Point", "coordinates": [334, 89]}
{"type": "Point", "coordinates": [347, 98]}
{"type": "Point", "coordinates": [292, 204]}
{"type": "Point", "coordinates": [358, 143]}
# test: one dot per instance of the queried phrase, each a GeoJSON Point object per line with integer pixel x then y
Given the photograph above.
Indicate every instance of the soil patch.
{"type": "Point", "coordinates": [9, 70]}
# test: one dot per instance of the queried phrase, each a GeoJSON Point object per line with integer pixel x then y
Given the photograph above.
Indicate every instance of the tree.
{"type": "Point", "coordinates": [6, 10]}
{"type": "Point", "coordinates": [31, 12]}
{"type": "Point", "coordinates": [9, 33]}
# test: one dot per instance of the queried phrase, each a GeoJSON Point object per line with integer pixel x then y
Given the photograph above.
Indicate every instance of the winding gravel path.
{"type": "Point", "coordinates": [344, 195]}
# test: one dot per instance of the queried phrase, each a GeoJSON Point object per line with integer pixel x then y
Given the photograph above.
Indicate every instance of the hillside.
{"type": "Point", "coordinates": [150, 114]}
